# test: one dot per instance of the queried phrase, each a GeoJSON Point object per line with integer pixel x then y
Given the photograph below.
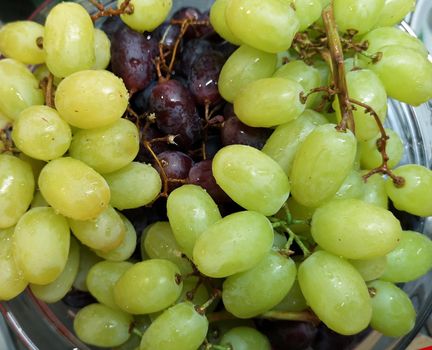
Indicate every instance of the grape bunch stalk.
{"type": "Point", "coordinates": [216, 180]}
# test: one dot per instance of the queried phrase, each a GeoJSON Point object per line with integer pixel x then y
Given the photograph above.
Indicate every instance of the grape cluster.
{"type": "Point", "coordinates": [225, 176]}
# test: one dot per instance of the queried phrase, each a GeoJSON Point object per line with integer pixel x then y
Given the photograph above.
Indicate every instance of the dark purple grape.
{"type": "Point", "coordinates": [212, 146]}
{"type": "Point", "coordinates": [78, 299]}
{"type": "Point", "coordinates": [196, 30]}
{"type": "Point", "coordinates": [176, 166]}
{"type": "Point", "coordinates": [290, 335]}
{"type": "Point", "coordinates": [191, 50]}
{"type": "Point", "coordinates": [201, 174]}
{"type": "Point", "coordinates": [132, 56]}
{"type": "Point", "coordinates": [226, 48]}
{"type": "Point", "coordinates": [176, 113]}
{"type": "Point", "coordinates": [234, 131]}
{"type": "Point", "coordinates": [112, 25]}
{"type": "Point", "coordinates": [203, 77]}
{"type": "Point", "coordinates": [327, 339]}
{"type": "Point", "coordinates": [152, 133]}
{"type": "Point", "coordinates": [167, 34]}
{"type": "Point", "coordinates": [140, 100]}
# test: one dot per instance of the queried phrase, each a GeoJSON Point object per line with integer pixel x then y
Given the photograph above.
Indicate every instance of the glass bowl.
{"type": "Point", "coordinates": [40, 326]}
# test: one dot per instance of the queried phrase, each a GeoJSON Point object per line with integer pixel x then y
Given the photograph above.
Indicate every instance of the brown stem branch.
{"type": "Point", "coordinates": [125, 8]}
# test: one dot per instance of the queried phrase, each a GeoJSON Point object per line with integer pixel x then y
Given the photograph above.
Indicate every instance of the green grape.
{"type": "Point", "coordinates": [200, 295]}
{"type": "Point", "coordinates": [299, 212]}
{"type": "Point", "coordinates": [308, 12]}
{"type": "Point", "coordinates": [218, 22]}
{"type": "Point", "coordinates": [74, 189]}
{"type": "Point", "coordinates": [392, 311]}
{"type": "Point", "coordinates": [234, 244]}
{"type": "Point", "coordinates": [415, 195]}
{"type": "Point", "coordinates": [364, 86]}
{"type": "Point", "coordinates": [41, 245]}
{"type": "Point", "coordinates": [321, 164]}
{"type": "Point", "coordinates": [133, 186]}
{"type": "Point", "coordinates": [91, 99]}
{"type": "Point", "coordinates": [307, 76]}
{"type": "Point", "coordinates": [18, 41]}
{"type": "Point", "coordinates": [87, 259]}
{"type": "Point", "coordinates": [36, 164]}
{"type": "Point", "coordinates": [411, 259]}
{"type": "Point", "coordinates": [255, 291]}
{"type": "Point", "coordinates": [360, 15]}
{"type": "Point", "coordinates": [102, 47]}
{"type": "Point", "coordinates": [217, 329]}
{"type": "Point", "coordinates": [126, 248]}
{"type": "Point", "coordinates": [158, 242]}
{"type": "Point", "coordinates": [42, 72]}
{"type": "Point", "coordinates": [251, 178]}
{"type": "Point", "coordinates": [17, 187]}
{"type": "Point", "coordinates": [386, 36]}
{"type": "Point", "coordinates": [102, 326]}
{"type": "Point", "coordinates": [190, 211]}
{"type": "Point", "coordinates": [101, 279]}
{"type": "Point", "coordinates": [68, 39]}
{"type": "Point", "coordinates": [40, 133]}
{"type": "Point", "coordinates": [374, 191]}
{"type": "Point", "coordinates": [336, 292]}
{"type": "Point", "coordinates": [12, 281]}
{"type": "Point", "coordinates": [354, 229]}
{"type": "Point", "coordinates": [370, 269]}
{"type": "Point", "coordinates": [141, 323]}
{"type": "Point", "coordinates": [147, 14]}
{"type": "Point", "coordinates": [279, 241]}
{"type": "Point", "coordinates": [370, 156]}
{"type": "Point", "coordinates": [106, 232]}
{"type": "Point", "coordinates": [57, 289]}
{"type": "Point", "coordinates": [405, 73]}
{"type": "Point", "coordinates": [244, 66]}
{"type": "Point", "coordinates": [394, 11]}
{"type": "Point", "coordinates": [352, 187]}
{"type": "Point", "coordinates": [268, 26]}
{"type": "Point", "coordinates": [269, 102]}
{"type": "Point", "coordinates": [285, 140]}
{"type": "Point", "coordinates": [148, 286]}
{"type": "Point", "coordinates": [19, 88]}
{"type": "Point", "coordinates": [108, 148]}
{"type": "Point", "coordinates": [245, 338]}
{"type": "Point", "coordinates": [294, 301]}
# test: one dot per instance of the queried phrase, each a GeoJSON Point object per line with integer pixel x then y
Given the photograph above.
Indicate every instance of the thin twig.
{"type": "Point", "coordinates": [125, 8]}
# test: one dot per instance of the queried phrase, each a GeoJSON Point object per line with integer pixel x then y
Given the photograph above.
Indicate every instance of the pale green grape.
{"type": "Point", "coordinates": [180, 327]}
{"type": "Point", "coordinates": [147, 14]}
{"type": "Point", "coordinates": [245, 338]}
{"type": "Point", "coordinates": [307, 76]}
{"type": "Point", "coordinates": [148, 286]}
{"type": "Point", "coordinates": [352, 187]}
{"type": "Point", "coordinates": [12, 280]}
{"type": "Point", "coordinates": [106, 232]}
{"type": "Point", "coordinates": [57, 289]}
{"type": "Point", "coordinates": [405, 73]}
{"type": "Point", "coordinates": [244, 66]}
{"type": "Point", "coordinates": [251, 178]}
{"type": "Point", "coordinates": [269, 102]}
{"type": "Point", "coordinates": [360, 15]}
{"type": "Point", "coordinates": [17, 187]}
{"type": "Point", "coordinates": [385, 36]}
{"type": "Point", "coordinates": [364, 86]}
{"type": "Point", "coordinates": [134, 186]}
{"type": "Point", "coordinates": [370, 269]}
{"type": "Point", "coordinates": [255, 291]}
{"type": "Point", "coordinates": [308, 11]}
{"type": "Point", "coordinates": [42, 72]}
{"type": "Point", "coordinates": [234, 244]}
{"type": "Point", "coordinates": [108, 148]}
{"type": "Point", "coordinates": [102, 326]}
{"type": "Point", "coordinates": [218, 21]}
{"type": "Point", "coordinates": [371, 158]}
{"type": "Point", "coordinates": [336, 292]}
{"type": "Point", "coordinates": [411, 259]}
{"type": "Point", "coordinates": [285, 140]}
{"type": "Point", "coordinates": [268, 26]}
{"type": "Point", "coordinates": [68, 39]}
{"type": "Point", "coordinates": [102, 47]}
{"type": "Point", "coordinates": [299, 212]}
{"type": "Point", "coordinates": [87, 259]}
{"type": "Point", "coordinates": [91, 99]}
{"type": "Point", "coordinates": [415, 195]}
{"type": "Point", "coordinates": [190, 211]}
{"type": "Point", "coordinates": [74, 189]}
{"type": "Point", "coordinates": [392, 311]}
{"type": "Point", "coordinates": [158, 242]}
{"type": "Point", "coordinates": [374, 191]}
{"type": "Point", "coordinates": [18, 41]}
{"type": "Point", "coordinates": [101, 279]}
{"type": "Point", "coordinates": [19, 88]}
{"type": "Point", "coordinates": [394, 11]}
{"type": "Point", "coordinates": [126, 248]}
{"type": "Point", "coordinates": [36, 164]}
{"type": "Point", "coordinates": [355, 229]}
{"type": "Point", "coordinates": [201, 294]}
{"type": "Point", "coordinates": [321, 164]}
{"type": "Point", "coordinates": [41, 245]}
{"type": "Point", "coordinates": [40, 133]}
{"type": "Point", "coordinates": [294, 301]}
{"type": "Point", "coordinates": [279, 241]}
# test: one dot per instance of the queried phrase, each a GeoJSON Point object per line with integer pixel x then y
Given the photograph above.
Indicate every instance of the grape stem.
{"type": "Point", "coordinates": [306, 316]}
{"type": "Point", "coordinates": [125, 8]}
{"type": "Point", "coordinates": [217, 293]}
{"type": "Point", "coordinates": [47, 86]}
{"type": "Point", "coordinates": [6, 141]}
